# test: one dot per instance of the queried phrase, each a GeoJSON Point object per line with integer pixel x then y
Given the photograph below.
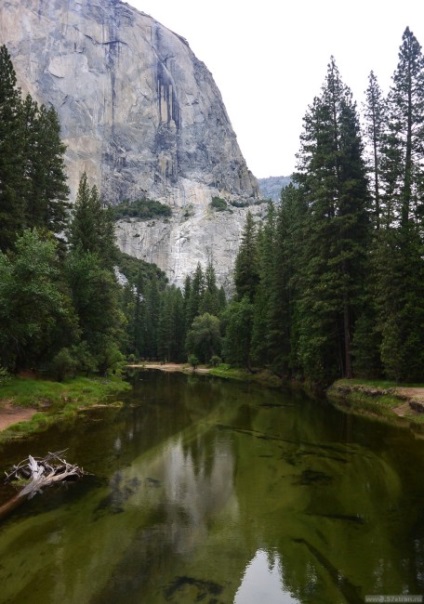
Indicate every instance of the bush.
{"type": "Point", "coordinates": [193, 360]}
{"type": "Point", "coordinates": [219, 204]}
{"type": "Point", "coordinates": [4, 376]}
{"type": "Point", "coordinates": [63, 365]}
{"type": "Point", "coordinates": [143, 209]}
{"type": "Point", "coordinates": [215, 361]}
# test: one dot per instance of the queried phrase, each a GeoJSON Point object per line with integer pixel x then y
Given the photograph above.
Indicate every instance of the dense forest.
{"type": "Point", "coordinates": [330, 284]}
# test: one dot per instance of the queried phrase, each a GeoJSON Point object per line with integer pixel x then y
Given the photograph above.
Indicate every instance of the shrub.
{"type": "Point", "coordinates": [219, 204]}
{"type": "Point", "coordinates": [63, 365]}
{"type": "Point", "coordinates": [143, 209]}
{"type": "Point", "coordinates": [193, 360]}
{"type": "Point", "coordinates": [215, 361]}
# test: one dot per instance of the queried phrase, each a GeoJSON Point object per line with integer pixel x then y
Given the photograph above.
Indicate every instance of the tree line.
{"type": "Point", "coordinates": [332, 283]}
{"type": "Point", "coordinates": [328, 285]}
{"type": "Point", "coordinates": [62, 309]}
{"type": "Point", "coordinates": [70, 301]}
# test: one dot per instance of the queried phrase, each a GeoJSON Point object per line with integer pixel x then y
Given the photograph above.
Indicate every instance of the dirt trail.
{"type": "Point", "coordinates": [12, 415]}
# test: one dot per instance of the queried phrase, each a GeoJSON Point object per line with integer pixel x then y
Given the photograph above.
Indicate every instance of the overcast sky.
{"type": "Point", "coordinates": [269, 62]}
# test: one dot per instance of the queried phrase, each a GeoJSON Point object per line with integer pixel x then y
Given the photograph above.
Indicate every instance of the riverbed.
{"type": "Point", "coordinates": [203, 490]}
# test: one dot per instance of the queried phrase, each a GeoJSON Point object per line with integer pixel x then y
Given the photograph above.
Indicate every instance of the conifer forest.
{"type": "Point", "coordinates": [329, 284]}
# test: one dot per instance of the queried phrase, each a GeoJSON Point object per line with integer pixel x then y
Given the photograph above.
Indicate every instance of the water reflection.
{"type": "Point", "coordinates": [207, 491]}
{"type": "Point", "coordinates": [262, 582]}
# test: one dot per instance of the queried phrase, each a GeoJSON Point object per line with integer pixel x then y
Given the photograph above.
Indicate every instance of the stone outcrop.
{"type": "Point", "coordinates": [141, 115]}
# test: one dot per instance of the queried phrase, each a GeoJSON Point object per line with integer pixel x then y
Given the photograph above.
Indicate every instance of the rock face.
{"type": "Point", "coordinates": [141, 115]}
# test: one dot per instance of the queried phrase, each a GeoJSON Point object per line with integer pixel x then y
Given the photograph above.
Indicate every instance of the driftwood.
{"type": "Point", "coordinates": [34, 474]}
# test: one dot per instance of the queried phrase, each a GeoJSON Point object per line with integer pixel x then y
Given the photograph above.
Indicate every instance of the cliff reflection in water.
{"type": "Point", "coordinates": [206, 491]}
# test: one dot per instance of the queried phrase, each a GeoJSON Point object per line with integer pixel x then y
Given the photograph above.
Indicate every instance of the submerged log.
{"type": "Point", "coordinates": [35, 474]}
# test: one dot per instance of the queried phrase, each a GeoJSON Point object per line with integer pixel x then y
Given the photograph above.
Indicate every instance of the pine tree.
{"type": "Point", "coordinates": [47, 195]}
{"type": "Point", "coordinates": [375, 116]}
{"type": "Point", "coordinates": [266, 246]}
{"type": "Point", "coordinates": [332, 179]}
{"type": "Point", "coordinates": [238, 324]}
{"type": "Point", "coordinates": [284, 290]}
{"type": "Point", "coordinates": [398, 252]}
{"type": "Point", "coordinates": [12, 215]}
{"type": "Point", "coordinates": [210, 302]}
{"type": "Point", "coordinates": [403, 151]}
{"type": "Point", "coordinates": [197, 288]}
{"type": "Point", "coordinates": [96, 299]}
{"type": "Point", "coordinates": [92, 226]}
{"type": "Point", "coordinates": [246, 275]}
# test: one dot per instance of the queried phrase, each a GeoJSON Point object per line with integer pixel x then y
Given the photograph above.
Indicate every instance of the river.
{"type": "Point", "coordinates": [218, 492]}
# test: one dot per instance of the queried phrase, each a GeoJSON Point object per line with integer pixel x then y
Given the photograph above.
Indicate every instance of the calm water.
{"type": "Point", "coordinates": [217, 492]}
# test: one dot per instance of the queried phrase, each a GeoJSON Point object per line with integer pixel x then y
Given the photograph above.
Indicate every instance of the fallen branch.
{"type": "Point", "coordinates": [35, 474]}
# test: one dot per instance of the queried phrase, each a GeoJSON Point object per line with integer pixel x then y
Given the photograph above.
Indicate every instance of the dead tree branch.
{"type": "Point", "coordinates": [34, 474]}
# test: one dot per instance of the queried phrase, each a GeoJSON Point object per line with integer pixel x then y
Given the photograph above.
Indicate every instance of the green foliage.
{"type": "Point", "coordinates": [60, 401]}
{"type": "Point", "coordinates": [239, 203]}
{"type": "Point", "coordinates": [137, 271]}
{"type": "Point", "coordinates": [36, 313]}
{"type": "Point", "coordinates": [204, 337]}
{"type": "Point", "coordinates": [219, 204]}
{"type": "Point", "coordinates": [92, 228]}
{"type": "Point", "coordinates": [33, 192]}
{"type": "Point", "coordinates": [332, 180]}
{"type": "Point", "coordinates": [63, 365]}
{"type": "Point", "coordinates": [142, 209]}
{"type": "Point", "coordinates": [193, 360]}
{"type": "Point", "coordinates": [215, 361]}
{"type": "Point", "coordinates": [238, 321]}
{"type": "Point", "coordinates": [246, 275]}
{"type": "Point", "coordinates": [95, 296]}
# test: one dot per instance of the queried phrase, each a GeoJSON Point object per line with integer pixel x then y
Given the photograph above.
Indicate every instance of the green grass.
{"type": "Point", "coordinates": [264, 377]}
{"type": "Point", "coordinates": [57, 401]}
{"type": "Point", "coordinates": [375, 397]}
{"type": "Point", "coordinates": [24, 392]}
{"type": "Point", "coordinates": [383, 384]}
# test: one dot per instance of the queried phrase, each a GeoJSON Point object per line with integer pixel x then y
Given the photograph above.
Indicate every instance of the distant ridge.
{"type": "Point", "coordinates": [270, 188]}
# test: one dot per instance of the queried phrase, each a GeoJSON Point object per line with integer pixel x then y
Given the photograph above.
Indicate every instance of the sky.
{"type": "Point", "coordinates": [269, 59]}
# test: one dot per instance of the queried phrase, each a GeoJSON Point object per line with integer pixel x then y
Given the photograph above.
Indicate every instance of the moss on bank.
{"type": "Point", "coordinates": [385, 400]}
{"type": "Point", "coordinates": [55, 401]}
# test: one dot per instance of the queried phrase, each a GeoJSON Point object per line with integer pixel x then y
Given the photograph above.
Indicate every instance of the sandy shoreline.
{"type": "Point", "coordinates": [170, 367]}
{"type": "Point", "coordinates": [12, 415]}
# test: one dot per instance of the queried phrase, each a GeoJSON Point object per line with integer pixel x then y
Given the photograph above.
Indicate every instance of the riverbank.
{"type": "Point", "coordinates": [264, 377]}
{"type": "Point", "coordinates": [387, 401]}
{"type": "Point", "coordinates": [403, 405]}
{"type": "Point", "coordinates": [30, 405]}
{"type": "Point", "coordinates": [170, 367]}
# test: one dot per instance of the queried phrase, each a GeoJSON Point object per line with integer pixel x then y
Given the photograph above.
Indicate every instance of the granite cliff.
{"type": "Point", "coordinates": [142, 116]}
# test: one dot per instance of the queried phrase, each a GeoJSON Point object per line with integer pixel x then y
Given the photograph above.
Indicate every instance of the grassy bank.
{"type": "Point", "coordinates": [389, 401]}
{"type": "Point", "coordinates": [53, 401]}
{"type": "Point", "coordinates": [264, 376]}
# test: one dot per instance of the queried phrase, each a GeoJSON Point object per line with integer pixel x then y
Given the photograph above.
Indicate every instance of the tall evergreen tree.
{"type": "Point", "coordinates": [197, 289]}
{"type": "Point", "coordinates": [246, 275]}
{"type": "Point", "coordinates": [261, 350]}
{"type": "Point", "coordinates": [210, 302]}
{"type": "Point", "coordinates": [12, 211]}
{"type": "Point", "coordinates": [403, 152]}
{"type": "Point", "coordinates": [332, 179]}
{"type": "Point", "coordinates": [375, 119]}
{"type": "Point", "coordinates": [284, 290]}
{"type": "Point", "coordinates": [47, 195]}
{"type": "Point", "coordinates": [398, 255]}
{"type": "Point", "coordinates": [92, 226]}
